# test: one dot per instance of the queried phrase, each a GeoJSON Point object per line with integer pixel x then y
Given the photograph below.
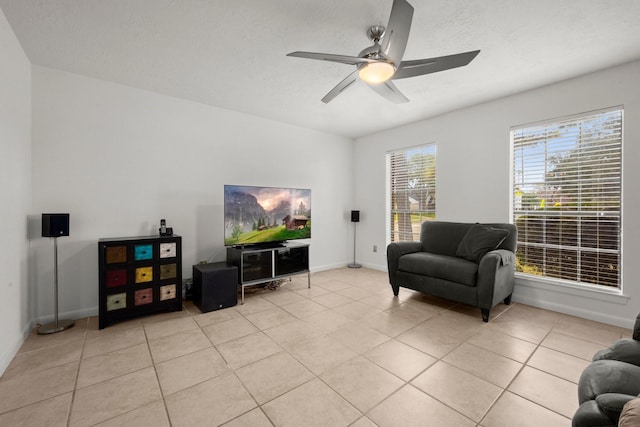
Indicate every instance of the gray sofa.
{"type": "Point", "coordinates": [610, 383]}
{"type": "Point", "coordinates": [469, 263]}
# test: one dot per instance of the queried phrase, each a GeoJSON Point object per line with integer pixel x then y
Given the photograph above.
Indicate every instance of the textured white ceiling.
{"type": "Point", "coordinates": [231, 53]}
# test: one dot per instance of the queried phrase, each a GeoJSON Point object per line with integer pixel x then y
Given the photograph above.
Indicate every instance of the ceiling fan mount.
{"type": "Point", "coordinates": [382, 62]}
{"type": "Point", "coordinates": [375, 33]}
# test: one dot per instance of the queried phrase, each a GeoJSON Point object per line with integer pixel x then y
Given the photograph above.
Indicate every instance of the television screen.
{"type": "Point", "coordinates": [258, 215]}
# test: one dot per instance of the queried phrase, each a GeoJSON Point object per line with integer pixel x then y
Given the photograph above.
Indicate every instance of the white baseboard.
{"type": "Point", "coordinates": [374, 266]}
{"type": "Point", "coordinates": [346, 264]}
{"type": "Point", "coordinates": [622, 322]}
{"type": "Point", "coordinates": [68, 315]}
{"type": "Point", "coordinates": [319, 268]}
{"type": "Point", "coordinates": [13, 347]}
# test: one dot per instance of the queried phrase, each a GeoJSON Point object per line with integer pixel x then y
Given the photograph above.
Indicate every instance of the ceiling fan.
{"type": "Point", "coordinates": [381, 63]}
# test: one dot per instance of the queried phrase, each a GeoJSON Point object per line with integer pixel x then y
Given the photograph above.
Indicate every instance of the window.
{"type": "Point", "coordinates": [412, 190]}
{"type": "Point", "coordinates": [567, 190]}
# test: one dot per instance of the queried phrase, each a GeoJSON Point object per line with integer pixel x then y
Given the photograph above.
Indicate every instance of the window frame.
{"type": "Point", "coordinates": [579, 213]}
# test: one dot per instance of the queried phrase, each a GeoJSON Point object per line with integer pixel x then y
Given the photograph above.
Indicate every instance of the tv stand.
{"type": "Point", "coordinates": [263, 264]}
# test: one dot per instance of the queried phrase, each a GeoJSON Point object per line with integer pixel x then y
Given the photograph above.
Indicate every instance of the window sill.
{"type": "Point", "coordinates": [583, 290]}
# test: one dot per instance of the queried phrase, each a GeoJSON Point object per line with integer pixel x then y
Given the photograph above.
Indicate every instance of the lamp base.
{"type": "Point", "coordinates": [53, 327]}
{"type": "Point", "coordinates": [354, 265]}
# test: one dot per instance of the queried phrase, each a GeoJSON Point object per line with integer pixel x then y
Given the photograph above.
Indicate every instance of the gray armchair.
{"type": "Point", "coordinates": [464, 262]}
{"type": "Point", "coordinates": [609, 382]}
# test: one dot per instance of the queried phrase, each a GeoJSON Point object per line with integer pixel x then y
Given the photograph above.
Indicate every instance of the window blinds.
{"type": "Point", "coordinates": [567, 190]}
{"type": "Point", "coordinates": [412, 195]}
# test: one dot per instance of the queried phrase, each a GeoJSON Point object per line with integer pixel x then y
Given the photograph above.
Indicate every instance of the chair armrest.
{"type": "Point", "coordinates": [405, 247]}
{"type": "Point", "coordinates": [395, 251]}
{"type": "Point", "coordinates": [590, 414]}
{"type": "Point", "coordinates": [624, 350]}
{"type": "Point", "coordinates": [612, 403]}
{"type": "Point", "coordinates": [495, 277]}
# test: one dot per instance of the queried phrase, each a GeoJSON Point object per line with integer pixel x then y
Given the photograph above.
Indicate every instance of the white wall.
{"type": "Point", "coordinates": [15, 191]}
{"type": "Point", "coordinates": [119, 159]}
{"type": "Point", "coordinates": [473, 175]}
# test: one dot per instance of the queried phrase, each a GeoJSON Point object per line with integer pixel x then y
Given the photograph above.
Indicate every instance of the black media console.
{"type": "Point", "coordinates": [264, 264]}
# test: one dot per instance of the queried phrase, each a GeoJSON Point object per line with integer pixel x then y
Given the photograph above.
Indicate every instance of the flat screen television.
{"type": "Point", "coordinates": [265, 215]}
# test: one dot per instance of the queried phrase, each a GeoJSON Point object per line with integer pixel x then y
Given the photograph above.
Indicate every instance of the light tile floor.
{"type": "Point", "coordinates": [343, 353]}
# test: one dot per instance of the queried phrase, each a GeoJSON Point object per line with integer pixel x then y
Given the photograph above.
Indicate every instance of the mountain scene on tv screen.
{"type": "Point", "coordinates": [263, 214]}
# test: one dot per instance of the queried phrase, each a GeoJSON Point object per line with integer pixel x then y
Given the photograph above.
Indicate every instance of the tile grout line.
{"type": "Point", "coordinates": [258, 406]}
{"type": "Point", "coordinates": [155, 370]}
{"type": "Point", "coordinates": [314, 375]}
{"type": "Point", "coordinates": [440, 359]}
{"type": "Point", "coordinates": [75, 383]}
{"type": "Point", "coordinates": [524, 365]}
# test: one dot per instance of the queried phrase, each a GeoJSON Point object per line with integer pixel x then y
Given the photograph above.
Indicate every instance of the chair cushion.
{"type": "Point", "coordinates": [440, 266]}
{"type": "Point", "coordinates": [479, 240]}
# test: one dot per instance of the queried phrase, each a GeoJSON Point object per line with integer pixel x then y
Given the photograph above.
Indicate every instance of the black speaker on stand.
{"type": "Point", "coordinates": [55, 225]}
{"type": "Point", "coordinates": [355, 217]}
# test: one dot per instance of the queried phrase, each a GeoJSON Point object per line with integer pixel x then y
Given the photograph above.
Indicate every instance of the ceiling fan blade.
{"type": "Point", "coordinates": [341, 87]}
{"type": "Point", "coordinates": [396, 34]}
{"type": "Point", "coordinates": [433, 65]}
{"type": "Point", "coordinates": [389, 91]}
{"type": "Point", "coordinates": [343, 59]}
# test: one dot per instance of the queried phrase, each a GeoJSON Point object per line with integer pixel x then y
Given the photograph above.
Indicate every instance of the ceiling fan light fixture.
{"type": "Point", "coordinates": [377, 72]}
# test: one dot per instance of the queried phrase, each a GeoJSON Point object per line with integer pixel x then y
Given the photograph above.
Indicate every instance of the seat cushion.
{"type": "Point", "coordinates": [440, 266]}
{"type": "Point", "coordinates": [479, 240]}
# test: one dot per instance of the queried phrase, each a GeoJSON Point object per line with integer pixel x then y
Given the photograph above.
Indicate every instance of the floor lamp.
{"type": "Point", "coordinates": [55, 225]}
{"type": "Point", "coordinates": [355, 217]}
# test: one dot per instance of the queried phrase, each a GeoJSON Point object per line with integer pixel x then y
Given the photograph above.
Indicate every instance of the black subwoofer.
{"type": "Point", "coordinates": [215, 286]}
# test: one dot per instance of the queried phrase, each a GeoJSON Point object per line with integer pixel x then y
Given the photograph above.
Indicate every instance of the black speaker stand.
{"type": "Point", "coordinates": [56, 325]}
{"type": "Point", "coordinates": [354, 264]}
